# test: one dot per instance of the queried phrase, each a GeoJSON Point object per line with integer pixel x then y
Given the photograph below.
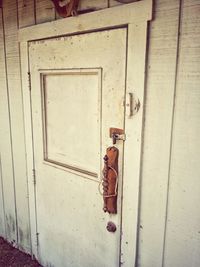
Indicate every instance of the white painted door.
{"type": "Point", "coordinates": [77, 94]}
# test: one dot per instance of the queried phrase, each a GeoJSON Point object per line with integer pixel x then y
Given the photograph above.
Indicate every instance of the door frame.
{"type": "Point", "coordinates": [134, 17]}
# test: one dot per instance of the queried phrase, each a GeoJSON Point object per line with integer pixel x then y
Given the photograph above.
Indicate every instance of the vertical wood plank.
{"type": "Point", "coordinates": [5, 148]}
{"type": "Point", "coordinates": [26, 13]}
{"type": "Point", "coordinates": [160, 85]}
{"type": "Point", "coordinates": [183, 220]}
{"type": "Point", "coordinates": [29, 146]}
{"type": "Point", "coordinates": [17, 126]}
{"type": "Point", "coordinates": [2, 207]}
{"type": "Point", "coordinates": [45, 11]}
{"type": "Point", "coordinates": [86, 4]}
{"type": "Point", "coordinates": [113, 3]}
{"type": "Point", "coordinates": [137, 36]}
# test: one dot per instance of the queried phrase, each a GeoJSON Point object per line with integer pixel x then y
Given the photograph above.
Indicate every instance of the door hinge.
{"type": "Point", "coordinates": [29, 81]}
{"type": "Point", "coordinates": [34, 177]}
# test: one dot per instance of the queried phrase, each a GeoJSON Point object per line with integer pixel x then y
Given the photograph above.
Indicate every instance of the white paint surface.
{"type": "Point", "coordinates": [72, 118]}
{"type": "Point", "coordinates": [45, 56]}
{"type": "Point", "coordinates": [69, 206]}
{"type": "Point", "coordinates": [182, 247]}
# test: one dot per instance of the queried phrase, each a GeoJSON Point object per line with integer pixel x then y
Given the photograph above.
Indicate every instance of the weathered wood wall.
{"type": "Point", "coordinates": [170, 185]}
{"type": "Point", "coordinates": [183, 216]}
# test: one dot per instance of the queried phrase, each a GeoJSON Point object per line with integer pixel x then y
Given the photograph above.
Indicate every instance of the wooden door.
{"type": "Point", "coordinates": [80, 69]}
{"type": "Point", "coordinates": [77, 94]}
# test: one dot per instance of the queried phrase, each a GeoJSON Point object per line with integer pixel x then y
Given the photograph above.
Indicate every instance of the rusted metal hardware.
{"type": "Point", "coordinates": [117, 134]}
{"type": "Point", "coordinates": [111, 227]}
{"type": "Point", "coordinates": [110, 180]}
{"type": "Point", "coordinates": [70, 9]}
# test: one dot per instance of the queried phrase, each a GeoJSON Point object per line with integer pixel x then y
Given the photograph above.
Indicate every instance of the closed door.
{"type": "Point", "coordinates": [77, 95]}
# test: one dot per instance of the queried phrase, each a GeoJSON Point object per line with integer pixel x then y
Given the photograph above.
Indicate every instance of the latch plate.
{"type": "Point", "coordinates": [117, 134]}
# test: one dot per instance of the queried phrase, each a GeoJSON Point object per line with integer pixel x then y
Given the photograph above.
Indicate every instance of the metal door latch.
{"type": "Point", "coordinates": [116, 137]}
{"type": "Point", "coordinates": [117, 134]}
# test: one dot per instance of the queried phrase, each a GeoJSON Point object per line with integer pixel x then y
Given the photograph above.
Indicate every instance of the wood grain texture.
{"type": "Point", "coordinates": [26, 13]}
{"type": "Point", "coordinates": [86, 4]}
{"type": "Point", "coordinates": [160, 82]}
{"type": "Point", "coordinates": [45, 11]}
{"type": "Point", "coordinates": [131, 183]}
{"type": "Point", "coordinates": [17, 126]}
{"type": "Point", "coordinates": [183, 220]}
{"type": "Point", "coordinates": [112, 3]}
{"type": "Point", "coordinates": [5, 148]}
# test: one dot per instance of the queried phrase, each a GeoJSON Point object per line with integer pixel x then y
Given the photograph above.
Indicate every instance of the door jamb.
{"type": "Point", "coordinates": [135, 16]}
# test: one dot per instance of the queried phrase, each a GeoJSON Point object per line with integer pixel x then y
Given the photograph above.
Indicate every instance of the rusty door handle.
{"type": "Point", "coordinates": [110, 180]}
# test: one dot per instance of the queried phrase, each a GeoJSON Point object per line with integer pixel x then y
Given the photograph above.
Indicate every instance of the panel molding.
{"type": "Point", "coordinates": [44, 74]}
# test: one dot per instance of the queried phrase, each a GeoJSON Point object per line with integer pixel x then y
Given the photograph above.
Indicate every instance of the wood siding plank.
{"type": "Point", "coordinates": [112, 3]}
{"type": "Point", "coordinates": [26, 13]}
{"type": "Point", "coordinates": [2, 207]}
{"type": "Point", "coordinates": [86, 4]}
{"type": "Point", "coordinates": [45, 11]}
{"type": "Point", "coordinates": [6, 150]}
{"type": "Point", "coordinates": [183, 220]}
{"type": "Point", "coordinates": [160, 85]}
{"type": "Point", "coordinates": [17, 125]}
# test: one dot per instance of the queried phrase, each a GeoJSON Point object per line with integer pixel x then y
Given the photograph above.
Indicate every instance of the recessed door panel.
{"type": "Point", "coordinates": [71, 118]}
